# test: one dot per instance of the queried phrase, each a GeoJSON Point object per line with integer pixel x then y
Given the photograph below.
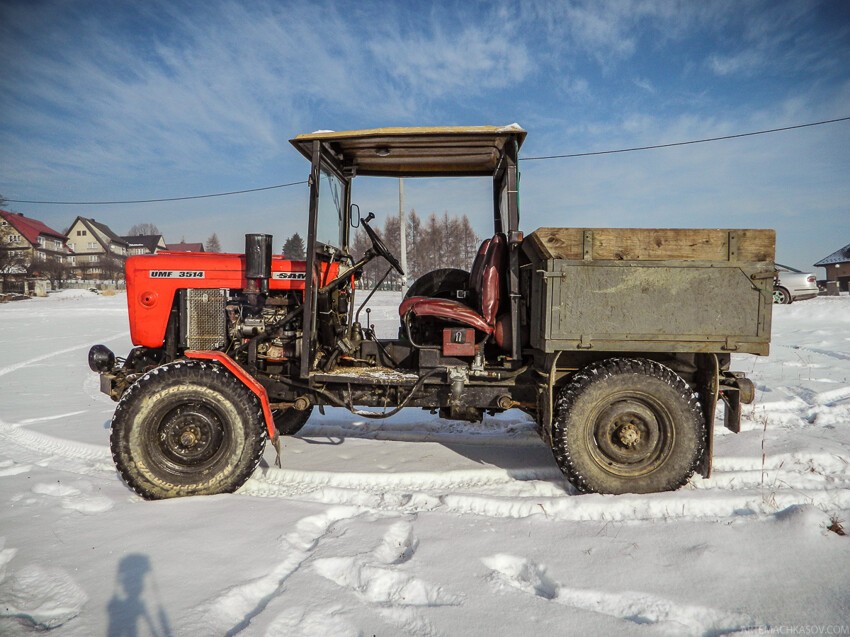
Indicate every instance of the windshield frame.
{"type": "Point", "coordinates": [324, 160]}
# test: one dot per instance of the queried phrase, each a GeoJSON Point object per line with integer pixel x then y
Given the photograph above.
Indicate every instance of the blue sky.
{"type": "Point", "coordinates": [136, 100]}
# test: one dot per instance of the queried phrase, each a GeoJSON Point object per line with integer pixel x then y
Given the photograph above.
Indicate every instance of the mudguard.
{"type": "Point", "coordinates": [249, 381]}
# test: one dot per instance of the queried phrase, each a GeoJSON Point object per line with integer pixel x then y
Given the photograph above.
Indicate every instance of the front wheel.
{"type": "Point", "coordinates": [628, 426]}
{"type": "Point", "coordinates": [187, 428]}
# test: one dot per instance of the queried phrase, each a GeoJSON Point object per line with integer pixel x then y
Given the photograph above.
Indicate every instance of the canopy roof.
{"type": "Point", "coordinates": [444, 151]}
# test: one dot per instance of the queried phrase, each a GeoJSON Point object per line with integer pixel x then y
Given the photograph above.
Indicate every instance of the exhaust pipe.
{"type": "Point", "coordinates": [258, 262]}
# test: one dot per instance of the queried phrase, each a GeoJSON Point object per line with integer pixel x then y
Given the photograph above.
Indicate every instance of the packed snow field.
{"type": "Point", "coordinates": [417, 525]}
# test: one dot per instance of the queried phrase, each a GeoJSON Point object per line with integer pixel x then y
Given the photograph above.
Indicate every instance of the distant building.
{"type": "Point", "coordinates": [145, 244]}
{"type": "Point", "coordinates": [29, 248]}
{"type": "Point", "coordinates": [185, 247]}
{"type": "Point", "coordinates": [26, 240]}
{"type": "Point", "coordinates": [837, 267]}
{"type": "Point", "coordinates": [99, 252]}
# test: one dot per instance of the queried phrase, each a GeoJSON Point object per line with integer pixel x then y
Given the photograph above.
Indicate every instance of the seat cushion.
{"type": "Point", "coordinates": [447, 310]}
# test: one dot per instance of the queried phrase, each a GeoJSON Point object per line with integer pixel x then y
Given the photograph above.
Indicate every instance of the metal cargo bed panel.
{"type": "Point", "coordinates": [657, 300]}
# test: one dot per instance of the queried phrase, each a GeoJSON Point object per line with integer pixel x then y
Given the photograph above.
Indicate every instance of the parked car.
{"type": "Point", "coordinates": [793, 285]}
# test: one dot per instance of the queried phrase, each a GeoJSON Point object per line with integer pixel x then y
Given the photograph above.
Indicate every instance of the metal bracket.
{"type": "Point", "coordinates": [584, 342]}
{"type": "Point", "coordinates": [588, 245]}
{"type": "Point", "coordinates": [733, 246]}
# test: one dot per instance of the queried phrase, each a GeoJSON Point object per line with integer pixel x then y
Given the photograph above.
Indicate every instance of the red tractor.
{"type": "Point", "coordinates": [617, 342]}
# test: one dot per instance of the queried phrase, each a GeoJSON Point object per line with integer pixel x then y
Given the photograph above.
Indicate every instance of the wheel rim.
{"type": "Point", "coordinates": [189, 437]}
{"type": "Point", "coordinates": [781, 296]}
{"type": "Point", "coordinates": [631, 436]}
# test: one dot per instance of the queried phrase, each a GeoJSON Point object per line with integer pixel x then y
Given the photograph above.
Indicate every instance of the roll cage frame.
{"type": "Point", "coordinates": [478, 151]}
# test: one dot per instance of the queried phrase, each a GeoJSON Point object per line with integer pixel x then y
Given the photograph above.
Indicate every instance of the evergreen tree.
{"type": "Point", "coordinates": [293, 248]}
{"type": "Point", "coordinates": [213, 244]}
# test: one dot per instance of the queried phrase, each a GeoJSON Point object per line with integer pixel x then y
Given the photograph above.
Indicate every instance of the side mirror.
{"type": "Point", "coordinates": [354, 219]}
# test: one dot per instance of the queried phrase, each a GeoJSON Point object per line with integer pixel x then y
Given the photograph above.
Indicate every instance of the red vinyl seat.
{"type": "Point", "coordinates": [474, 282]}
{"type": "Point", "coordinates": [485, 281]}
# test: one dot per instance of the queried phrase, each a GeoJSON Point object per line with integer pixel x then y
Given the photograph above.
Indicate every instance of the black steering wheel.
{"type": "Point", "coordinates": [379, 245]}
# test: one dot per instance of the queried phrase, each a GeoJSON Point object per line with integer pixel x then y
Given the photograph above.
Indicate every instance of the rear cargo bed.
{"type": "Point", "coordinates": [648, 290]}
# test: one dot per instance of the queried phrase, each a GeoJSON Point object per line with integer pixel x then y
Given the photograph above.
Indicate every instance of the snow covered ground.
{"type": "Point", "coordinates": [420, 526]}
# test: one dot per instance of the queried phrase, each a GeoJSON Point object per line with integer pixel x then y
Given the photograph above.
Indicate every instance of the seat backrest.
{"type": "Point", "coordinates": [490, 284]}
{"type": "Point", "coordinates": [477, 267]}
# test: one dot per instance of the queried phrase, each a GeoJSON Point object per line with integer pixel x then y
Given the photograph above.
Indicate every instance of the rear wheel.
{"type": "Point", "coordinates": [187, 428]}
{"type": "Point", "coordinates": [628, 426]}
{"type": "Point", "coordinates": [290, 421]}
{"type": "Point", "coordinates": [781, 296]}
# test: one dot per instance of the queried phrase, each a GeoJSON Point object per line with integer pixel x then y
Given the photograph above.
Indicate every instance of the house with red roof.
{"type": "Point", "coordinates": [25, 240]}
{"type": "Point", "coordinates": [30, 247]}
{"type": "Point", "coordinates": [99, 252]}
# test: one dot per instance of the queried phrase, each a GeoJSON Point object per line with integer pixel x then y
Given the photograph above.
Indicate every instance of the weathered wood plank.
{"type": "Point", "coordinates": [654, 244]}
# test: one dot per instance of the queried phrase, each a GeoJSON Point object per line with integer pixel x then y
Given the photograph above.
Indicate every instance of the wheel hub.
{"type": "Point", "coordinates": [189, 437]}
{"type": "Point", "coordinates": [629, 435]}
{"type": "Point", "coordinates": [191, 434]}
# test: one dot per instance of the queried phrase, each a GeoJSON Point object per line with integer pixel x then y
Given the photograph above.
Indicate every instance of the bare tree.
{"type": "Point", "coordinates": [467, 242]}
{"type": "Point", "coordinates": [143, 229]}
{"type": "Point", "coordinates": [51, 268]}
{"type": "Point", "coordinates": [11, 263]}
{"type": "Point", "coordinates": [441, 242]}
{"type": "Point", "coordinates": [414, 231]}
{"type": "Point", "coordinates": [2, 201]}
{"type": "Point", "coordinates": [372, 272]}
{"type": "Point", "coordinates": [113, 267]}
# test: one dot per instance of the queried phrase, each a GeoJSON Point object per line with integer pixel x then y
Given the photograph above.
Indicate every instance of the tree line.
{"type": "Point", "coordinates": [439, 241]}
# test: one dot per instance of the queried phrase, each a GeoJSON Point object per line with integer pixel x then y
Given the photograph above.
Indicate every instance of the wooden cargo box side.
{"type": "Point", "coordinates": [651, 290]}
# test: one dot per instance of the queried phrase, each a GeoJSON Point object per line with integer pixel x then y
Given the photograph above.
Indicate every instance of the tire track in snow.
{"type": "Point", "coordinates": [32, 361]}
{"type": "Point", "coordinates": [495, 493]}
{"type": "Point", "coordinates": [510, 571]}
{"type": "Point", "coordinates": [738, 485]}
{"type": "Point", "coordinates": [812, 350]}
{"type": "Point", "coordinates": [26, 447]}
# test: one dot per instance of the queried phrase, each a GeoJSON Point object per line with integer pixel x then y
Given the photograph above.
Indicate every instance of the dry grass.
{"type": "Point", "coordinates": [836, 526]}
{"type": "Point", "coordinates": [108, 292]}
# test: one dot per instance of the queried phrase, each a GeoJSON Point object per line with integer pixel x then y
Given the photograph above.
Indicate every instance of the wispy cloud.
{"type": "Point", "coordinates": [127, 100]}
{"type": "Point", "coordinates": [780, 38]}
{"type": "Point", "coordinates": [231, 82]}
